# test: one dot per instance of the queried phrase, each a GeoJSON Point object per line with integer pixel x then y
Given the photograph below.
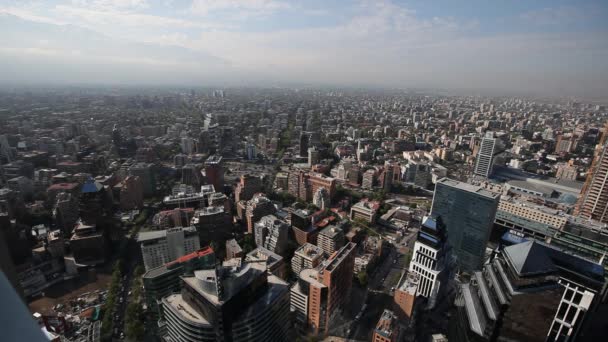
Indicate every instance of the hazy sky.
{"type": "Point", "coordinates": [541, 45]}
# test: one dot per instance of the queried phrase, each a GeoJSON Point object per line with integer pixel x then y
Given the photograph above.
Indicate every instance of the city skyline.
{"type": "Point", "coordinates": [550, 48]}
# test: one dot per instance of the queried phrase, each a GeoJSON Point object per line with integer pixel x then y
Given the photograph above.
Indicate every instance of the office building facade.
{"type": "Point", "coordinates": [431, 260]}
{"type": "Point", "coordinates": [529, 292]}
{"type": "Point", "coordinates": [468, 212]}
{"type": "Point", "coordinates": [162, 246]}
{"type": "Point", "coordinates": [235, 302]}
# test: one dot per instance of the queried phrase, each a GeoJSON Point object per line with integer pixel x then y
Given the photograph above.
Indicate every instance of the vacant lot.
{"type": "Point", "coordinates": [66, 291]}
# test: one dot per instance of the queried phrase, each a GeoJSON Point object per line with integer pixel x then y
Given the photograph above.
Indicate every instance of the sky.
{"type": "Point", "coordinates": [553, 47]}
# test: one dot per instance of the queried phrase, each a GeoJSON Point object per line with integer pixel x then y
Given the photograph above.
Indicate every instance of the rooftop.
{"type": "Point", "coordinates": [534, 257]}
{"type": "Point", "coordinates": [331, 231]}
{"type": "Point", "coordinates": [180, 306]}
{"type": "Point", "coordinates": [63, 186]}
{"type": "Point", "coordinates": [409, 284]}
{"type": "Point", "coordinates": [311, 276]}
{"type": "Point", "coordinates": [387, 324]}
{"type": "Point", "coordinates": [467, 187]}
{"type": "Point", "coordinates": [309, 250]}
{"type": "Point", "coordinates": [161, 234]}
{"type": "Point", "coordinates": [232, 275]}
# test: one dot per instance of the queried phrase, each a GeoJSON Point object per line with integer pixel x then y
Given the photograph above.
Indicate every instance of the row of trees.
{"type": "Point", "coordinates": [134, 319]}
{"type": "Point", "coordinates": [109, 307]}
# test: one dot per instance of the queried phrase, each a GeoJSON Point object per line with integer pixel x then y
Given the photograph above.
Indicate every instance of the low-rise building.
{"type": "Point", "coordinates": [365, 210]}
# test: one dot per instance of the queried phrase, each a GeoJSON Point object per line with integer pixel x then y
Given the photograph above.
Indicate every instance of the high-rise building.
{"type": "Point", "coordinates": [317, 181]}
{"type": "Point", "coordinates": [303, 229]}
{"type": "Point", "coordinates": [178, 217]}
{"type": "Point", "coordinates": [164, 280]}
{"type": "Point", "coordinates": [6, 153]}
{"type": "Point", "coordinates": [293, 183]}
{"type": "Point", "coordinates": [131, 193]}
{"type": "Point", "coordinates": [368, 179]}
{"type": "Point", "coordinates": [247, 187]}
{"type": "Point", "coordinates": [468, 212]}
{"type": "Point", "coordinates": [321, 292]}
{"type": "Point", "coordinates": [159, 247]}
{"type": "Point", "coordinates": [488, 149]}
{"type": "Point", "coordinates": [593, 203]}
{"type": "Point", "coordinates": [321, 199]}
{"type": "Point", "coordinates": [272, 233]}
{"type": "Point", "coordinates": [365, 210]}
{"type": "Point", "coordinates": [306, 256]}
{"type": "Point", "coordinates": [431, 260]}
{"type": "Point", "coordinates": [233, 249]}
{"type": "Point", "coordinates": [330, 239]}
{"type": "Point", "coordinates": [213, 224]}
{"type": "Point", "coordinates": [187, 145]}
{"type": "Point", "coordinates": [405, 296]}
{"type": "Point", "coordinates": [274, 262]}
{"type": "Point", "coordinates": [304, 142]}
{"type": "Point", "coordinates": [191, 175]}
{"type": "Point", "coordinates": [530, 291]}
{"type": "Point", "coordinates": [88, 245]}
{"type": "Point", "coordinates": [235, 302]}
{"type": "Point", "coordinates": [65, 212]}
{"type": "Point", "coordinates": [214, 172]}
{"type": "Point", "coordinates": [258, 207]}
{"type": "Point", "coordinates": [313, 156]}
{"type": "Point", "coordinates": [251, 151]}
{"type": "Point", "coordinates": [92, 201]}
{"type": "Point", "coordinates": [145, 172]}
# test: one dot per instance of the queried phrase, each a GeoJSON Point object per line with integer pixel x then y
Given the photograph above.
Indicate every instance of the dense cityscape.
{"type": "Point", "coordinates": [304, 214]}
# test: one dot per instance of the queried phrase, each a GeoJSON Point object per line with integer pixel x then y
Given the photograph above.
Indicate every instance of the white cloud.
{"type": "Point", "coordinates": [112, 4]}
{"type": "Point", "coordinates": [30, 15]}
{"type": "Point", "coordinates": [93, 18]}
{"type": "Point", "coordinates": [557, 15]}
{"type": "Point", "coordinates": [204, 7]}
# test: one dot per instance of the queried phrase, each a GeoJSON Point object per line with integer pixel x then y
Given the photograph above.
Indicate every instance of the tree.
{"type": "Point", "coordinates": [248, 243]}
{"type": "Point", "coordinates": [362, 278]}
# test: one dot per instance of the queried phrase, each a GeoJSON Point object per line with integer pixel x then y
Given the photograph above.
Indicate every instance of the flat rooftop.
{"type": "Point", "coordinates": [467, 187]}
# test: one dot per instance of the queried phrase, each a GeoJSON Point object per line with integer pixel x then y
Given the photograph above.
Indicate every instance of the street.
{"type": "Point", "coordinates": [130, 261]}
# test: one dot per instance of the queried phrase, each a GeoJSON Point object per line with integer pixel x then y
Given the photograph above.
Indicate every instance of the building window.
{"type": "Point", "coordinates": [562, 311]}
{"type": "Point", "coordinates": [570, 315]}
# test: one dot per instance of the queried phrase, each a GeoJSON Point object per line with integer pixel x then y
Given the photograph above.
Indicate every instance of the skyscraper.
{"type": "Point", "coordinates": [304, 141]}
{"type": "Point", "coordinates": [163, 280]}
{"type": "Point", "coordinates": [235, 302]}
{"type": "Point", "coordinates": [485, 157]}
{"type": "Point", "coordinates": [247, 187]}
{"type": "Point", "coordinates": [321, 292]}
{"type": "Point", "coordinates": [431, 260]}
{"type": "Point", "coordinates": [162, 246]}
{"type": "Point", "coordinates": [468, 212]}
{"type": "Point", "coordinates": [529, 292]}
{"type": "Point", "coordinates": [593, 203]}
{"type": "Point", "coordinates": [214, 172]}
{"type": "Point", "coordinates": [271, 233]}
